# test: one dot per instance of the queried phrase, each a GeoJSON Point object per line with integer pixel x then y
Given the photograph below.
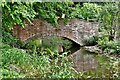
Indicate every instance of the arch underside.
{"type": "Point", "coordinates": [43, 37]}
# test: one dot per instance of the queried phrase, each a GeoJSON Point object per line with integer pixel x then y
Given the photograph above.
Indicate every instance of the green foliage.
{"type": "Point", "coordinates": [51, 11]}
{"type": "Point", "coordinates": [108, 68]}
{"type": "Point", "coordinates": [90, 41]}
{"type": "Point", "coordinates": [109, 46]}
{"type": "Point", "coordinates": [34, 45]}
{"type": "Point", "coordinates": [10, 74]}
{"type": "Point", "coordinates": [8, 38]}
{"type": "Point", "coordinates": [110, 18]}
{"type": "Point", "coordinates": [90, 11]}
{"type": "Point", "coordinates": [16, 14]}
{"type": "Point", "coordinates": [52, 43]}
{"type": "Point", "coordinates": [87, 11]}
{"type": "Point", "coordinates": [18, 63]}
{"type": "Point", "coordinates": [67, 44]}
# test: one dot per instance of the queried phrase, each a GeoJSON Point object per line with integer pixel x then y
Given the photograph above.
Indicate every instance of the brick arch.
{"type": "Point", "coordinates": [43, 37]}
{"type": "Point", "coordinates": [75, 30]}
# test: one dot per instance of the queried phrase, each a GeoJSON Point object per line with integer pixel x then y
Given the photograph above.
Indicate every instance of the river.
{"type": "Point", "coordinates": [84, 60]}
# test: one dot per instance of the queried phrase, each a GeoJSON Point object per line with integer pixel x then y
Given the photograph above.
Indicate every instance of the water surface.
{"type": "Point", "coordinates": [84, 60]}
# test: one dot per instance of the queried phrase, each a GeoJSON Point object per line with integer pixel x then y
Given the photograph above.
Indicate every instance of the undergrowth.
{"type": "Point", "coordinates": [18, 63]}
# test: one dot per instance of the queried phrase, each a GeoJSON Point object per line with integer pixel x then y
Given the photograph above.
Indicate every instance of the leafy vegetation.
{"type": "Point", "coordinates": [19, 12]}
{"type": "Point", "coordinates": [18, 63]}
{"type": "Point", "coordinates": [109, 19]}
{"type": "Point", "coordinates": [53, 11]}
{"type": "Point", "coordinates": [53, 43]}
{"type": "Point", "coordinates": [87, 11]}
{"type": "Point", "coordinates": [16, 14]}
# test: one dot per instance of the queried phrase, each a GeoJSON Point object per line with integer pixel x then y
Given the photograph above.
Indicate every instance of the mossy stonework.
{"type": "Point", "coordinates": [76, 30]}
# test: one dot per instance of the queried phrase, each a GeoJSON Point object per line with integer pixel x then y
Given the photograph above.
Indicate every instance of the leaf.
{"type": "Point", "coordinates": [52, 53]}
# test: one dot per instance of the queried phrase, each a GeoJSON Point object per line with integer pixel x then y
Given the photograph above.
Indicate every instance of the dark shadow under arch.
{"type": "Point", "coordinates": [39, 36]}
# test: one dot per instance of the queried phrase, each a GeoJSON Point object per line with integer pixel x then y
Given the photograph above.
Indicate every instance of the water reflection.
{"type": "Point", "coordinates": [84, 60]}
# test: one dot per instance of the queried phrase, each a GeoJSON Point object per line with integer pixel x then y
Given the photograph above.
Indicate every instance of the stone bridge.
{"type": "Point", "coordinates": [76, 30]}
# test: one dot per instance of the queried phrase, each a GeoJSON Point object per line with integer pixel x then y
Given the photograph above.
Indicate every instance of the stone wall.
{"type": "Point", "coordinates": [76, 30]}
